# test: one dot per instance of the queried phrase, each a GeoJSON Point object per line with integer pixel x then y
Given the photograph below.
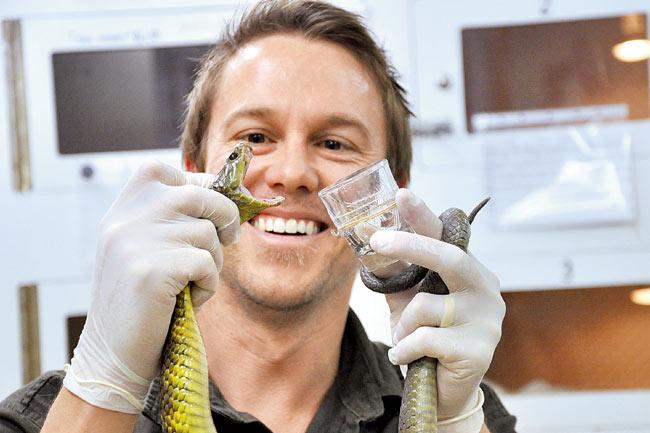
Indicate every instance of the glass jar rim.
{"type": "Point", "coordinates": [353, 176]}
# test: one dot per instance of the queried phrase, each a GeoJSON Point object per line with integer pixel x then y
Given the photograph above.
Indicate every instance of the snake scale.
{"type": "Point", "coordinates": [184, 398]}
{"type": "Point", "coordinates": [419, 412]}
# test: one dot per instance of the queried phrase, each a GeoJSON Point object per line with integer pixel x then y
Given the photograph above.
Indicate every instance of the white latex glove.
{"type": "Point", "coordinates": [465, 347]}
{"type": "Point", "coordinates": [160, 234]}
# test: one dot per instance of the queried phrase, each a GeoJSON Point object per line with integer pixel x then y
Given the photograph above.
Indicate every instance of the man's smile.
{"type": "Point", "coordinates": [289, 226]}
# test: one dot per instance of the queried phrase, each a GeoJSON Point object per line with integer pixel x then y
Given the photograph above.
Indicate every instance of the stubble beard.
{"type": "Point", "coordinates": [280, 295]}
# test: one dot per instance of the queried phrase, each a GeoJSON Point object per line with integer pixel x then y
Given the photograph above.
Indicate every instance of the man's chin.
{"type": "Point", "coordinates": [278, 288]}
{"type": "Point", "coordinates": [271, 300]}
{"type": "Point", "coordinates": [287, 279]}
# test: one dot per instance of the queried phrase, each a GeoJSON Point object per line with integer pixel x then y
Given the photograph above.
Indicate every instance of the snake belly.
{"type": "Point", "coordinates": [184, 397]}
{"type": "Point", "coordinates": [185, 401]}
{"type": "Point", "coordinates": [419, 409]}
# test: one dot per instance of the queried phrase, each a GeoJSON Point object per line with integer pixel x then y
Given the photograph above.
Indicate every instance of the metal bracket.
{"type": "Point", "coordinates": [430, 129]}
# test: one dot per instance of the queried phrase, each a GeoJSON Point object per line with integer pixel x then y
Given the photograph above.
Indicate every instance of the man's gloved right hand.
{"type": "Point", "coordinates": [164, 231]}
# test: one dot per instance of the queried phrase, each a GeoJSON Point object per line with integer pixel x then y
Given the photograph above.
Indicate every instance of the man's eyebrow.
{"type": "Point", "coordinates": [254, 113]}
{"type": "Point", "coordinates": [344, 120]}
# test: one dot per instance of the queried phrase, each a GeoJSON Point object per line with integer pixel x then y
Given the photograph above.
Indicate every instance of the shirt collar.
{"type": "Point", "coordinates": [366, 383]}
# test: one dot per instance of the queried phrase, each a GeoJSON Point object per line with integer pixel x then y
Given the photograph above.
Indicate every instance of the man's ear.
{"type": "Point", "coordinates": [189, 164]}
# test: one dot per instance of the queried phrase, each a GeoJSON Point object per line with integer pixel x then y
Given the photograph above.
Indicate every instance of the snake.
{"type": "Point", "coordinates": [184, 397]}
{"type": "Point", "coordinates": [419, 412]}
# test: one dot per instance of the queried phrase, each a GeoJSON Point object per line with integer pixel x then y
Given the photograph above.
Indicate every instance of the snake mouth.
{"type": "Point", "coordinates": [245, 190]}
{"type": "Point", "coordinates": [273, 201]}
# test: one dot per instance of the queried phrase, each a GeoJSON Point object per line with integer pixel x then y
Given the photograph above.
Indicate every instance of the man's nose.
{"type": "Point", "coordinates": [292, 168]}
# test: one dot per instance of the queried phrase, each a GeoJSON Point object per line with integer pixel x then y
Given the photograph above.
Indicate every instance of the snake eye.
{"type": "Point", "coordinates": [233, 156]}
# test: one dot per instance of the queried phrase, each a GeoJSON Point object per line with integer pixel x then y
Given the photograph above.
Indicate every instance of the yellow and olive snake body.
{"type": "Point", "coordinates": [184, 397]}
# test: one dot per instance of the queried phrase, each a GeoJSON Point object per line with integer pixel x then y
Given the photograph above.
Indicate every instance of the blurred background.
{"type": "Point", "coordinates": [542, 105]}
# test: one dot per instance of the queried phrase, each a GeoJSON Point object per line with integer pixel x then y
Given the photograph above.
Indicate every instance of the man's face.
{"type": "Point", "coordinates": [313, 115]}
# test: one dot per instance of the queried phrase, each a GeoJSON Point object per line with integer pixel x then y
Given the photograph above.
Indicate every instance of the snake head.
{"type": "Point", "coordinates": [231, 176]}
{"type": "Point", "coordinates": [230, 179]}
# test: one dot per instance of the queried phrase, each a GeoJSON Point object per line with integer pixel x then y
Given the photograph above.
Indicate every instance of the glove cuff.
{"type": "Point", "coordinates": [468, 422]}
{"type": "Point", "coordinates": [101, 379]}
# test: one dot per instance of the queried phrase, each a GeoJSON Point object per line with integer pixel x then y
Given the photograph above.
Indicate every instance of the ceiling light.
{"type": "Point", "coordinates": [640, 296]}
{"type": "Point", "coordinates": [633, 50]}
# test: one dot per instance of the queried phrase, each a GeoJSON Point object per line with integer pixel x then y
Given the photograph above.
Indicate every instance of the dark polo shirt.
{"type": "Point", "coordinates": [365, 398]}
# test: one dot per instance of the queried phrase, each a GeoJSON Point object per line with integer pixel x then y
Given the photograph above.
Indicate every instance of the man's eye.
{"type": "Point", "coordinates": [332, 144]}
{"type": "Point", "coordinates": [256, 137]}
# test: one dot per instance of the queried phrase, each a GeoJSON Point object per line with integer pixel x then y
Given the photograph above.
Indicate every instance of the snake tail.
{"type": "Point", "coordinates": [477, 209]}
{"type": "Point", "coordinates": [185, 401]}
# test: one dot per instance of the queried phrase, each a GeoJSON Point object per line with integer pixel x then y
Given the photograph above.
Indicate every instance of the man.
{"type": "Point", "coordinates": [306, 85]}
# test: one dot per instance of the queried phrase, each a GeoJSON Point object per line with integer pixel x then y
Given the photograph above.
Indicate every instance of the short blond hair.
{"type": "Point", "coordinates": [313, 20]}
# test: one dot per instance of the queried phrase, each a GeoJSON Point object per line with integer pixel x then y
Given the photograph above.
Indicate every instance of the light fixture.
{"type": "Point", "coordinates": [640, 296]}
{"type": "Point", "coordinates": [634, 50]}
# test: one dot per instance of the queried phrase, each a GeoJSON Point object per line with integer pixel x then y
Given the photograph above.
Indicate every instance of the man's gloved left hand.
{"type": "Point", "coordinates": [464, 347]}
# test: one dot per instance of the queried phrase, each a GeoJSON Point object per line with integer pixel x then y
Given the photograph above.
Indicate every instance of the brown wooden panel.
{"type": "Point", "coordinates": [579, 339]}
{"type": "Point", "coordinates": [29, 332]}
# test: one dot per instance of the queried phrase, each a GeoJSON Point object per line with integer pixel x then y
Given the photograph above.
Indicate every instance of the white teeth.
{"type": "Point", "coordinates": [291, 226]}
{"type": "Point", "coordinates": [280, 225]}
